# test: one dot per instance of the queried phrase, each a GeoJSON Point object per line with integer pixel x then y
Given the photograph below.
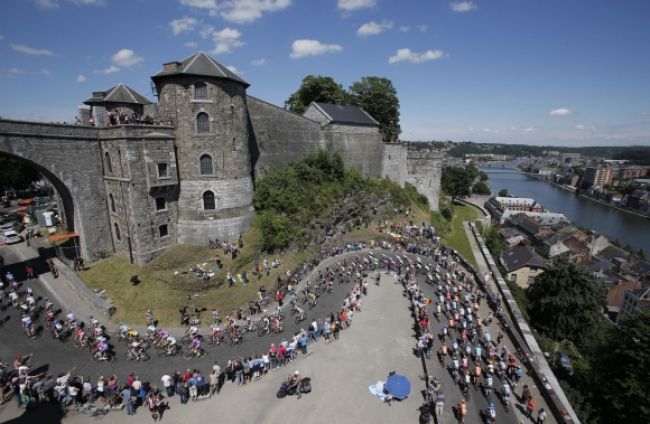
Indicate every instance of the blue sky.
{"type": "Point", "coordinates": [562, 72]}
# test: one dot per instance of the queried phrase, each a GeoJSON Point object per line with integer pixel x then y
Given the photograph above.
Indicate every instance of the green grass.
{"type": "Point", "coordinates": [164, 292]}
{"type": "Point", "coordinates": [456, 238]}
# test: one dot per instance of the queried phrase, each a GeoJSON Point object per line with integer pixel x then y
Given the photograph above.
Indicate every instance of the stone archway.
{"type": "Point", "coordinates": [70, 158]}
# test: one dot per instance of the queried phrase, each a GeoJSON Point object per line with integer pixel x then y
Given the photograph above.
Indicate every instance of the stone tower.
{"type": "Point", "coordinates": [206, 102]}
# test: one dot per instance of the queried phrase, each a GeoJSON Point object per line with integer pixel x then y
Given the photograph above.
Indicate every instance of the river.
{"type": "Point", "coordinates": [627, 228]}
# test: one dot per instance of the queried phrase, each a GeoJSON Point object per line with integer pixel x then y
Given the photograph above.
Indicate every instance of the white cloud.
{"type": "Point", "coordinates": [81, 78]}
{"type": "Point", "coordinates": [350, 5]}
{"type": "Point", "coordinates": [200, 4]}
{"type": "Point", "coordinates": [560, 112]}
{"type": "Point", "coordinates": [423, 28]}
{"type": "Point", "coordinates": [462, 6]}
{"type": "Point", "coordinates": [582, 127]}
{"type": "Point", "coordinates": [238, 11]}
{"type": "Point", "coordinates": [374, 28]}
{"type": "Point", "coordinates": [258, 62]}
{"type": "Point", "coordinates": [304, 48]}
{"type": "Point", "coordinates": [226, 40]}
{"type": "Point", "coordinates": [46, 73]}
{"type": "Point", "coordinates": [234, 70]}
{"type": "Point", "coordinates": [529, 129]}
{"type": "Point", "coordinates": [406, 55]}
{"type": "Point", "coordinates": [53, 4]}
{"type": "Point", "coordinates": [110, 70]}
{"type": "Point", "coordinates": [404, 28]}
{"type": "Point", "coordinates": [31, 51]}
{"type": "Point", "coordinates": [15, 71]}
{"type": "Point", "coordinates": [126, 58]}
{"type": "Point", "coordinates": [185, 24]}
{"type": "Point", "coordinates": [207, 31]}
{"type": "Point", "coordinates": [191, 45]}
{"type": "Point", "coordinates": [47, 4]}
{"type": "Point", "coordinates": [87, 2]}
{"type": "Point", "coordinates": [243, 11]}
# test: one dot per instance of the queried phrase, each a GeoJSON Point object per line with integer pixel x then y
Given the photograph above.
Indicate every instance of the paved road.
{"type": "Point", "coordinates": [54, 356]}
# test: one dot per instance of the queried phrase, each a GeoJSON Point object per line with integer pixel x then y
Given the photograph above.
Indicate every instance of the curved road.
{"type": "Point", "coordinates": [54, 357]}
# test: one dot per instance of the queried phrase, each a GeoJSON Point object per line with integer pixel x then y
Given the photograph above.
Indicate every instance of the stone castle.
{"type": "Point", "coordinates": [134, 188]}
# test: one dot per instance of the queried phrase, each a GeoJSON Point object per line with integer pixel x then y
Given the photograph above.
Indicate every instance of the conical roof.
{"type": "Point", "coordinates": [120, 93]}
{"type": "Point", "coordinates": [199, 64]}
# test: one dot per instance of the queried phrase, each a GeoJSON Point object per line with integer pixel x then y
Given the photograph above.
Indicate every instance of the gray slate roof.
{"type": "Point", "coordinates": [612, 252]}
{"type": "Point", "coordinates": [521, 256]}
{"type": "Point", "coordinates": [346, 114]}
{"type": "Point", "coordinates": [199, 64]}
{"type": "Point", "coordinates": [120, 93]}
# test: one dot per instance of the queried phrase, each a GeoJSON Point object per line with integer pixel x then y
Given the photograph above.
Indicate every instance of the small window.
{"type": "Point", "coordinates": [206, 165]}
{"type": "Point", "coordinates": [162, 170]}
{"type": "Point", "coordinates": [200, 91]}
{"type": "Point", "coordinates": [162, 230]}
{"type": "Point", "coordinates": [208, 200]}
{"type": "Point", "coordinates": [161, 204]}
{"type": "Point", "coordinates": [202, 123]}
{"type": "Point", "coordinates": [117, 232]}
{"type": "Point", "coordinates": [107, 160]}
{"type": "Point", "coordinates": [110, 196]}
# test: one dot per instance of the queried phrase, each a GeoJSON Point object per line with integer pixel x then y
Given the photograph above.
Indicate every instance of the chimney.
{"type": "Point", "coordinates": [171, 66]}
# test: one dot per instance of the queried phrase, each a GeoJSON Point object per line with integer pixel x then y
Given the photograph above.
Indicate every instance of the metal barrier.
{"type": "Point", "coordinates": [539, 368]}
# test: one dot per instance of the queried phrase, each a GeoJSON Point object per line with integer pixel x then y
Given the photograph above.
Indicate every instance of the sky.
{"type": "Point", "coordinates": [556, 72]}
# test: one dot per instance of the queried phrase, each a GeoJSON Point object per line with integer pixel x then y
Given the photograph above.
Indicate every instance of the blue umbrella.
{"type": "Point", "coordinates": [398, 386]}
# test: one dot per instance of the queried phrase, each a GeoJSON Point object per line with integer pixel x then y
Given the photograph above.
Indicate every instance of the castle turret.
{"type": "Point", "coordinates": [206, 102]}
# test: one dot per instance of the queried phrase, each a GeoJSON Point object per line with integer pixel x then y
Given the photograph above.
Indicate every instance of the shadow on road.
{"type": "Point", "coordinates": [44, 413]}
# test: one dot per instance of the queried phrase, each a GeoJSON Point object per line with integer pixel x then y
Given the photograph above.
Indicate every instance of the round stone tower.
{"type": "Point", "coordinates": [206, 102]}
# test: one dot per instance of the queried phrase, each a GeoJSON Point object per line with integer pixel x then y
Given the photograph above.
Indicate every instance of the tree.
{"type": "Point", "coordinates": [456, 182]}
{"type": "Point", "coordinates": [503, 192]}
{"type": "Point", "coordinates": [623, 366]}
{"type": "Point", "coordinates": [316, 88]}
{"type": "Point", "coordinates": [378, 97]}
{"type": "Point", "coordinates": [16, 173]}
{"type": "Point", "coordinates": [566, 303]}
{"type": "Point", "coordinates": [481, 187]}
{"type": "Point", "coordinates": [483, 176]}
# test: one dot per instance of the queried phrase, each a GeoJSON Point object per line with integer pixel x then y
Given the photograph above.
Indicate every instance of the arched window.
{"type": "Point", "coordinates": [109, 165]}
{"type": "Point", "coordinates": [110, 196]}
{"type": "Point", "coordinates": [202, 123]}
{"type": "Point", "coordinates": [200, 91]}
{"type": "Point", "coordinates": [208, 200]}
{"type": "Point", "coordinates": [117, 232]}
{"type": "Point", "coordinates": [206, 165]}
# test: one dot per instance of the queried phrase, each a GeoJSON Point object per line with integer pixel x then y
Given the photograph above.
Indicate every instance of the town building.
{"type": "Point", "coordinates": [598, 177]}
{"type": "Point", "coordinates": [522, 265]}
{"type": "Point", "coordinates": [633, 301]}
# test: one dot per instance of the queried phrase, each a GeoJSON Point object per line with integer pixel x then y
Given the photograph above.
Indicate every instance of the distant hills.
{"type": "Point", "coordinates": [635, 154]}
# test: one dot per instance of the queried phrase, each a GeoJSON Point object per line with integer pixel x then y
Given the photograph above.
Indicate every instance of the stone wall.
{"type": "Point", "coordinates": [70, 157]}
{"type": "Point", "coordinates": [424, 170]}
{"type": "Point", "coordinates": [394, 162]}
{"type": "Point", "coordinates": [279, 136]}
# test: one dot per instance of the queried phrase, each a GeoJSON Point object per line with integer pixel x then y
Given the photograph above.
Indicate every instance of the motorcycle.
{"type": "Point", "coordinates": [288, 389]}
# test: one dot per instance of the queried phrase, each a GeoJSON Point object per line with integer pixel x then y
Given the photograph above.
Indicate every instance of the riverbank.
{"type": "Point", "coordinates": [602, 202]}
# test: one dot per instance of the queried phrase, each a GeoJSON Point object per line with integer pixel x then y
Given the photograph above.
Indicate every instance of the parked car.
{"type": "Point", "coordinates": [10, 237]}
{"type": "Point", "coordinates": [13, 225]}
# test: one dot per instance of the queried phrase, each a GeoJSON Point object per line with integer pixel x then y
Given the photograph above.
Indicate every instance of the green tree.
{"type": "Point", "coordinates": [483, 176]}
{"type": "Point", "coordinates": [566, 303]}
{"type": "Point", "coordinates": [623, 366]}
{"type": "Point", "coordinates": [16, 173]}
{"type": "Point", "coordinates": [481, 187]}
{"type": "Point", "coordinates": [378, 97]}
{"type": "Point", "coordinates": [456, 182]}
{"type": "Point", "coordinates": [503, 192]}
{"type": "Point", "coordinates": [316, 88]}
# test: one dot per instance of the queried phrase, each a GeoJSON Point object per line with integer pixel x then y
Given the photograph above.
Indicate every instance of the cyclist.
{"type": "Point", "coordinates": [28, 325]}
{"type": "Point", "coordinates": [216, 334]}
{"type": "Point", "coordinates": [491, 413]}
{"type": "Point", "coordinates": [72, 320]}
{"type": "Point", "coordinates": [170, 344]}
{"type": "Point", "coordinates": [149, 317]}
{"type": "Point", "coordinates": [488, 385]}
{"type": "Point", "coordinates": [462, 411]}
{"type": "Point", "coordinates": [195, 346]}
{"type": "Point", "coordinates": [101, 348]}
{"type": "Point", "coordinates": [506, 392]}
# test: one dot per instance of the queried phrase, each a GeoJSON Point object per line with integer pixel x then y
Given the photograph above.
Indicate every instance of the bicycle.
{"type": "Point", "coordinates": [194, 353]}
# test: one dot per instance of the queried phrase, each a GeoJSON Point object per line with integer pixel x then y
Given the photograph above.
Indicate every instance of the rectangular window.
{"type": "Point", "coordinates": [161, 204]}
{"type": "Point", "coordinates": [162, 230]}
{"type": "Point", "coordinates": [200, 91]}
{"type": "Point", "coordinates": [162, 170]}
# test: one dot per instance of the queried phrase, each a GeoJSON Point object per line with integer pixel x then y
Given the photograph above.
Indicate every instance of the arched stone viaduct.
{"type": "Point", "coordinates": [70, 158]}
